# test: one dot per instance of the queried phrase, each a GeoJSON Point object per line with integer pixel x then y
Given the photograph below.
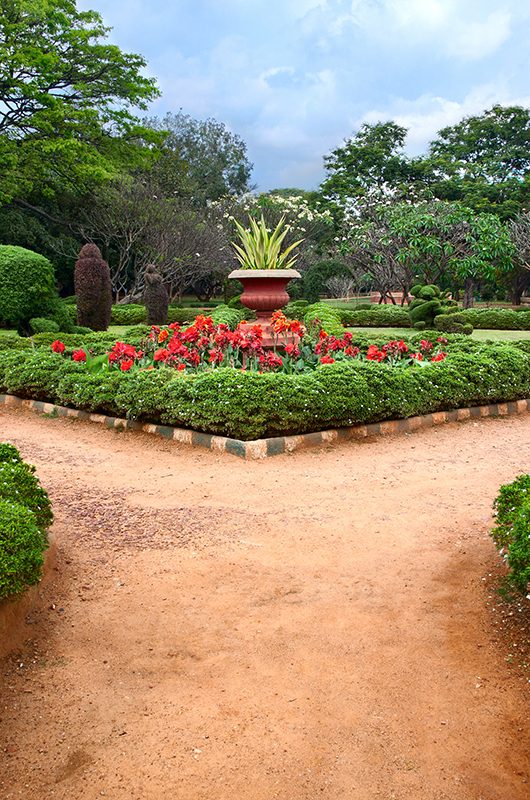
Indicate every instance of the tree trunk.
{"type": "Point", "coordinates": [469, 287]}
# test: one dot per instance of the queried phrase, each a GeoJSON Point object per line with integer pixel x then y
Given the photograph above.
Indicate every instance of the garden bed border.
{"type": "Point", "coordinates": [273, 446]}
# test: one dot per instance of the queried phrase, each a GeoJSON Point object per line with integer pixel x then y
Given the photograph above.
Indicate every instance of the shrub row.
{"type": "Point", "coordinates": [495, 318]}
{"type": "Point", "coordinates": [512, 531]}
{"type": "Point", "coordinates": [25, 514]}
{"type": "Point", "coordinates": [250, 405]}
{"type": "Point", "coordinates": [379, 316]}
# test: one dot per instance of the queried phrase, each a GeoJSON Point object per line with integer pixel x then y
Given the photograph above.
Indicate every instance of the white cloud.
{"type": "Point", "coordinates": [479, 38]}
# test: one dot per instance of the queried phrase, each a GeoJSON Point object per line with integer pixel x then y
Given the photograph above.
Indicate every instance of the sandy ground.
{"type": "Point", "coordinates": [312, 626]}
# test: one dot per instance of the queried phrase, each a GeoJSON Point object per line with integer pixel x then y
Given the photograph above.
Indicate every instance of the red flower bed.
{"type": "Point", "coordinates": [205, 345]}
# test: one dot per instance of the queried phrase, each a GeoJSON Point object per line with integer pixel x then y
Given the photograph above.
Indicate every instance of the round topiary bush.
{"type": "Point", "coordinates": [27, 286]}
{"type": "Point", "coordinates": [19, 484]}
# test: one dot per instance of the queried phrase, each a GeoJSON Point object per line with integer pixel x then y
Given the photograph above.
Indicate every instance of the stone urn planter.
{"type": "Point", "coordinates": [264, 292]}
{"type": "Point", "coordinates": [264, 289]}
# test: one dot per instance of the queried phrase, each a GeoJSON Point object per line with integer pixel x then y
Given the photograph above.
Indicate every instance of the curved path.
{"type": "Point", "coordinates": [311, 626]}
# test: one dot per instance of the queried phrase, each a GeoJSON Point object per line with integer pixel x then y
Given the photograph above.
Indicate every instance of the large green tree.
{"type": "Point", "coordinates": [200, 159]}
{"type": "Point", "coordinates": [372, 159]}
{"type": "Point", "coordinates": [484, 161]}
{"type": "Point", "coordinates": [66, 99]}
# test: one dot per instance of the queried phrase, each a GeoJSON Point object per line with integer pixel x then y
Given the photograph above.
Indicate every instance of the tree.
{"type": "Point", "coordinates": [518, 278]}
{"type": "Point", "coordinates": [65, 98]}
{"type": "Point", "coordinates": [200, 159]}
{"type": "Point", "coordinates": [430, 241]}
{"type": "Point", "coordinates": [484, 161]}
{"type": "Point", "coordinates": [371, 159]}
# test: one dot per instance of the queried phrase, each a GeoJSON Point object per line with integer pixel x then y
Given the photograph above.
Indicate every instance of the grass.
{"type": "Point", "coordinates": [481, 335]}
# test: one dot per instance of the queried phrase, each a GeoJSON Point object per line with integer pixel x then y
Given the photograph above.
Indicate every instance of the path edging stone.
{"type": "Point", "coordinates": [276, 445]}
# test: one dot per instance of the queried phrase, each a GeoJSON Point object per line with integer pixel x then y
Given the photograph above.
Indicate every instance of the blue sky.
{"type": "Point", "coordinates": [294, 78]}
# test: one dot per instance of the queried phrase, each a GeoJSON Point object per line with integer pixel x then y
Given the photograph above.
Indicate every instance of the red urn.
{"type": "Point", "coordinates": [264, 291]}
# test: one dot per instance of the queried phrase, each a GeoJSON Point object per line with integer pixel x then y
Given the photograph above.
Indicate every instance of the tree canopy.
{"type": "Point", "coordinates": [66, 97]}
{"type": "Point", "coordinates": [200, 159]}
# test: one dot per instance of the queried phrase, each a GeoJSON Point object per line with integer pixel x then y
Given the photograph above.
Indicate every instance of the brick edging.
{"type": "Point", "coordinates": [262, 448]}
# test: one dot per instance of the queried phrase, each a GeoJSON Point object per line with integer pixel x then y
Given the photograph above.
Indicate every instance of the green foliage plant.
{"type": "Point", "coordinates": [27, 285]}
{"type": "Point", "coordinates": [511, 533]}
{"type": "Point", "coordinates": [25, 514]}
{"type": "Point", "coordinates": [259, 248]}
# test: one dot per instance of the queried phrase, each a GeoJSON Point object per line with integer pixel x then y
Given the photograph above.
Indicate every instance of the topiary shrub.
{"type": "Point", "coordinates": [27, 286]}
{"type": "Point", "coordinates": [428, 303]}
{"type": "Point", "coordinates": [9, 454]}
{"type": "Point", "coordinates": [42, 325]}
{"type": "Point", "coordinates": [93, 289]}
{"type": "Point", "coordinates": [375, 316]}
{"type": "Point", "coordinates": [156, 299]}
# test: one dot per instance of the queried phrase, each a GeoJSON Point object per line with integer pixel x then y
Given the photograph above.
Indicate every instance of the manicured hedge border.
{"type": "Point", "coordinates": [273, 446]}
{"type": "Point", "coordinates": [248, 406]}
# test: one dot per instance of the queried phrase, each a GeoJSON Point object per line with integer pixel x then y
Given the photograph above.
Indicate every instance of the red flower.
{"type": "Point", "coordinates": [181, 367]}
{"type": "Point", "coordinates": [439, 357]}
{"type": "Point", "coordinates": [375, 354]}
{"type": "Point", "coordinates": [161, 354]}
{"type": "Point", "coordinates": [57, 346]}
{"type": "Point", "coordinates": [327, 360]}
{"type": "Point", "coordinates": [79, 355]}
{"type": "Point", "coordinates": [442, 340]}
{"type": "Point", "coordinates": [417, 356]}
{"type": "Point", "coordinates": [162, 336]}
{"type": "Point", "coordinates": [351, 351]}
{"type": "Point", "coordinates": [292, 350]}
{"type": "Point", "coordinates": [126, 365]}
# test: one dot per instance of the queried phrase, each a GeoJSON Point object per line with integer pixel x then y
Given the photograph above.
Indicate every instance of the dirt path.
{"type": "Point", "coordinates": [311, 626]}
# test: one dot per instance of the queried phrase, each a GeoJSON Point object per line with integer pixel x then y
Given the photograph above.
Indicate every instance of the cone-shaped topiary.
{"type": "Point", "coordinates": [93, 289]}
{"type": "Point", "coordinates": [155, 297]}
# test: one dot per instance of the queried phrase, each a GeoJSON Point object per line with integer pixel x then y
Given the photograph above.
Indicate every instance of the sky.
{"type": "Point", "coordinates": [295, 78]}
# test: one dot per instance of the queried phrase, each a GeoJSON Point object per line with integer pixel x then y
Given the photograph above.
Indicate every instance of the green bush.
{"type": "Point", "coordinates": [42, 325]}
{"type": "Point", "coordinates": [25, 514]}
{"type": "Point", "coordinates": [450, 323]}
{"type": "Point", "coordinates": [296, 309]}
{"type": "Point", "coordinates": [22, 545]}
{"type": "Point", "coordinates": [131, 314]}
{"type": "Point", "coordinates": [27, 286]}
{"type": "Point", "coordinates": [228, 316]}
{"type": "Point", "coordinates": [324, 315]}
{"type": "Point", "coordinates": [512, 531]}
{"type": "Point", "coordinates": [19, 484]}
{"type": "Point", "coordinates": [377, 316]}
{"type": "Point", "coordinates": [181, 315]}
{"type": "Point", "coordinates": [495, 318]}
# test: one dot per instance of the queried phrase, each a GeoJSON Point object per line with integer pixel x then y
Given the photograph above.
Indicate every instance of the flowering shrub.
{"type": "Point", "coordinates": [204, 345]}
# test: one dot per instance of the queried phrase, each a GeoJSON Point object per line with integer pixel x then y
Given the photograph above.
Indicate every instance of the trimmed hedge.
{"type": "Point", "coordinates": [25, 513]}
{"type": "Point", "coordinates": [495, 318]}
{"type": "Point", "coordinates": [379, 316]}
{"type": "Point", "coordinates": [326, 316]}
{"type": "Point", "coordinates": [512, 531]}
{"type": "Point", "coordinates": [248, 405]}
{"type": "Point", "coordinates": [131, 314]}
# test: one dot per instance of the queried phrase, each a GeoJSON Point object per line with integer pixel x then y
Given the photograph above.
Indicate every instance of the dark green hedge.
{"type": "Point", "coordinates": [249, 405]}
{"type": "Point", "coordinates": [379, 316]}
{"type": "Point", "coordinates": [495, 318]}
{"type": "Point", "coordinates": [25, 514]}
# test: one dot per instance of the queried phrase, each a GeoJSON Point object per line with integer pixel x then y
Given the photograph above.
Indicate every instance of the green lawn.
{"type": "Point", "coordinates": [397, 333]}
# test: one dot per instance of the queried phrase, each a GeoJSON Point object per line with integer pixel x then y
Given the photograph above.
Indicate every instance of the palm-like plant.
{"type": "Point", "coordinates": [260, 249]}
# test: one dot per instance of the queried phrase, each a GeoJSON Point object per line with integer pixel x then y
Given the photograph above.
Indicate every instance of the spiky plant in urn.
{"type": "Point", "coordinates": [266, 269]}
